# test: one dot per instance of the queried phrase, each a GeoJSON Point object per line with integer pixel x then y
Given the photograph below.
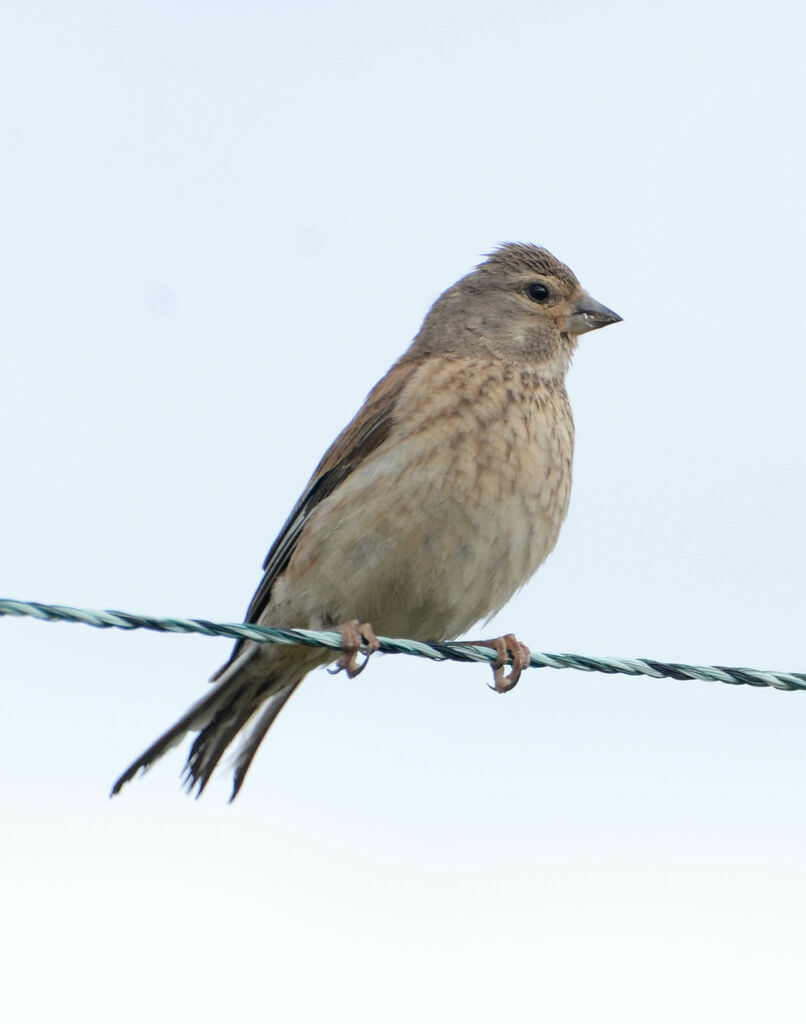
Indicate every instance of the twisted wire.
{"type": "Point", "coordinates": [435, 651]}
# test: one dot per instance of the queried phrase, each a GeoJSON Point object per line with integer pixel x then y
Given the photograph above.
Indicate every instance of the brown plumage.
{"type": "Point", "coordinates": [434, 505]}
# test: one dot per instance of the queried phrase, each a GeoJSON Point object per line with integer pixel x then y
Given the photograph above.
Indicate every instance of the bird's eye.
{"type": "Point", "coordinates": [537, 291]}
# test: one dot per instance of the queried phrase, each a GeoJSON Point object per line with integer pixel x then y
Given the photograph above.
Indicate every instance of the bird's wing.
{"type": "Point", "coordinates": [363, 435]}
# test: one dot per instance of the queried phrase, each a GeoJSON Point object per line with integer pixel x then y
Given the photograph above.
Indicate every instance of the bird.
{"type": "Point", "coordinates": [436, 503]}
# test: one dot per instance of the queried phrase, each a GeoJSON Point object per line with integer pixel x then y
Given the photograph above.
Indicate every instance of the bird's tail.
{"type": "Point", "coordinates": [241, 691]}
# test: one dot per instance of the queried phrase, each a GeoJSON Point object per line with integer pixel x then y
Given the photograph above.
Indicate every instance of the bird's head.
{"type": "Point", "coordinates": [521, 305]}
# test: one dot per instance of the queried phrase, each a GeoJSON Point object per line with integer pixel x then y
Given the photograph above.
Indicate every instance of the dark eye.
{"type": "Point", "coordinates": [537, 292]}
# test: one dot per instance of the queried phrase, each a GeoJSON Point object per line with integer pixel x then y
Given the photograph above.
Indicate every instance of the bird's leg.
{"type": "Point", "coordinates": [353, 634]}
{"type": "Point", "coordinates": [520, 660]}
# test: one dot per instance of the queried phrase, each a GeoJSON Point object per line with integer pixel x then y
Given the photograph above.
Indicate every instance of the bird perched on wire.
{"type": "Point", "coordinates": [432, 507]}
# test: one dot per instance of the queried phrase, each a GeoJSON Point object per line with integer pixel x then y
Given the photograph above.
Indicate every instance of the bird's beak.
{"type": "Point", "coordinates": [589, 315]}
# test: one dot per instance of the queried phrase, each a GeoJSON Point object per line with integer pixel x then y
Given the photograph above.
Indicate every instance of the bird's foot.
{"type": "Point", "coordinates": [353, 635]}
{"type": "Point", "coordinates": [504, 646]}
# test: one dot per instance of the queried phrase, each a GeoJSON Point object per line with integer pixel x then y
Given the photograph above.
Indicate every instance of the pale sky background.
{"type": "Point", "coordinates": [220, 224]}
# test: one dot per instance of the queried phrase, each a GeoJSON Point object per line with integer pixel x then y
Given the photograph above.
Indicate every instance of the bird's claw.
{"type": "Point", "coordinates": [353, 635]}
{"type": "Point", "coordinates": [521, 656]}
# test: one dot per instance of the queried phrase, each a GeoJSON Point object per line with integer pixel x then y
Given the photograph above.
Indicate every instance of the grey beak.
{"type": "Point", "coordinates": [589, 315]}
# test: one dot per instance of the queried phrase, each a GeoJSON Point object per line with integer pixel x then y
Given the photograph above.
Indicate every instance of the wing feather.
{"type": "Point", "coordinates": [365, 433]}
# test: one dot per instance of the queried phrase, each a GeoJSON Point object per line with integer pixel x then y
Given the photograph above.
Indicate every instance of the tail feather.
{"type": "Point", "coordinates": [217, 718]}
{"type": "Point", "coordinates": [211, 743]}
{"type": "Point", "coordinates": [255, 682]}
{"type": "Point", "coordinates": [249, 748]}
{"type": "Point", "coordinates": [194, 719]}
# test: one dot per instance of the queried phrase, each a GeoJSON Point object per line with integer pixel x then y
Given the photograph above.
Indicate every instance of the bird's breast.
{"type": "Point", "coordinates": [457, 509]}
